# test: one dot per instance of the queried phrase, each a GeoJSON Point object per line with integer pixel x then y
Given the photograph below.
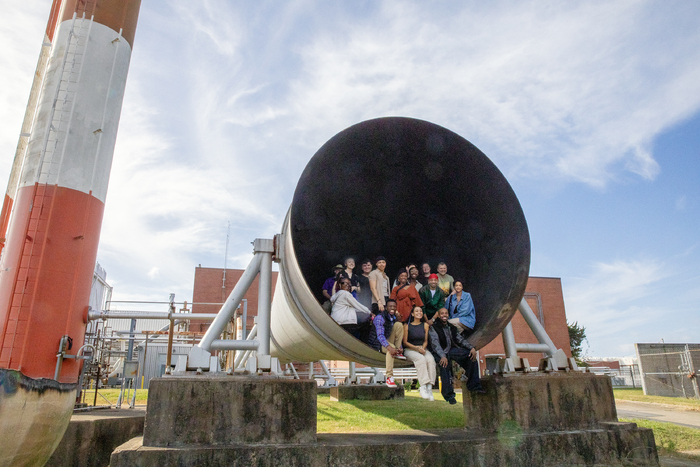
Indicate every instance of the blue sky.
{"type": "Point", "coordinates": [590, 109]}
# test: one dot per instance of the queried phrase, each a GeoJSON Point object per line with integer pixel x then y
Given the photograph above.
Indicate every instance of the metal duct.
{"type": "Point", "coordinates": [411, 191]}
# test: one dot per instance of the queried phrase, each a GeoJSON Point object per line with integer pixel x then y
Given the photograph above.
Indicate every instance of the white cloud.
{"type": "Point", "coordinates": [226, 102]}
{"type": "Point", "coordinates": [623, 302]}
{"type": "Point", "coordinates": [611, 299]}
{"type": "Point", "coordinates": [21, 37]}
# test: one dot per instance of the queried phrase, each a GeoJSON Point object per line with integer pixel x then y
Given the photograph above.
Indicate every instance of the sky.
{"type": "Point", "coordinates": [590, 109]}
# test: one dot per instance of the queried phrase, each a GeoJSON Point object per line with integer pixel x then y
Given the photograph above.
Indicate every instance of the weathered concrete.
{"type": "Point", "coordinates": [527, 420]}
{"type": "Point", "coordinates": [540, 402]}
{"type": "Point", "coordinates": [373, 392]}
{"type": "Point", "coordinates": [226, 410]}
{"type": "Point", "coordinates": [92, 436]}
{"type": "Point", "coordinates": [622, 445]}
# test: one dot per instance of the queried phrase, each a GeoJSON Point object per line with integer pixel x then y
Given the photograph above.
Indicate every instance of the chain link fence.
{"type": "Point", "coordinates": [669, 369]}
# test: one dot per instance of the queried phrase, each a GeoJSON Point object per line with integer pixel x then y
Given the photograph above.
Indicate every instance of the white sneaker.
{"type": "Point", "coordinates": [390, 382]}
{"type": "Point", "coordinates": [423, 392]}
{"type": "Point", "coordinates": [429, 390]}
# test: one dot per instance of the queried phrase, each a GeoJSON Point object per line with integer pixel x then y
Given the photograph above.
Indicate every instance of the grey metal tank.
{"type": "Point", "coordinates": [411, 191]}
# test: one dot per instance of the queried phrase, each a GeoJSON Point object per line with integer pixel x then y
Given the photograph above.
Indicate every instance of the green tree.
{"type": "Point", "coordinates": [577, 334]}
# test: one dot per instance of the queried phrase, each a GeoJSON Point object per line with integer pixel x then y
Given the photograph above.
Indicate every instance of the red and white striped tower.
{"type": "Point", "coordinates": [53, 231]}
{"type": "Point", "coordinates": [28, 121]}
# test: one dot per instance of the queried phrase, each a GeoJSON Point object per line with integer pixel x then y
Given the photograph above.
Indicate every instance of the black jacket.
{"type": "Point", "coordinates": [453, 338]}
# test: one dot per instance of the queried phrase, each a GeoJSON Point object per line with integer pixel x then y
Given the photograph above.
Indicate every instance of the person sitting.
{"type": "Point", "coordinates": [387, 334]}
{"type": "Point", "coordinates": [406, 296]}
{"type": "Point", "coordinates": [379, 285]}
{"type": "Point", "coordinates": [461, 308]}
{"type": "Point", "coordinates": [445, 281]}
{"type": "Point", "coordinates": [433, 299]}
{"type": "Point", "coordinates": [415, 344]}
{"type": "Point", "coordinates": [447, 345]}
{"type": "Point", "coordinates": [350, 314]}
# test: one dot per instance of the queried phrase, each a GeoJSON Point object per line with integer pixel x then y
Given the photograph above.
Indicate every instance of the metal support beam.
{"type": "Point", "coordinates": [264, 248]}
{"type": "Point", "coordinates": [104, 315]}
{"type": "Point", "coordinates": [532, 348]}
{"type": "Point", "coordinates": [232, 302]}
{"type": "Point", "coordinates": [537, 327]}
{"type": "Point", "coordinates": [509, 341]}
{"type": "Point", "coordinates": [228, 344]}
{"type": "Point", "coordinates": [243, 356]}
{"type": "Point", "coordinates": [555, 358]}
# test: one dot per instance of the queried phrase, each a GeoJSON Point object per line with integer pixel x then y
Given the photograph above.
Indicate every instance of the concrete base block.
{"type": "Point", "coordinates": [226, 410]}
{"type": "Point", "coordinates": [366, 393]}
{"type": "Point", "coordinates": [91, 436]}
{"type": "Point", "coordinates": [624, 445]}
{"type": "Point", "coordinates": [540, 402]}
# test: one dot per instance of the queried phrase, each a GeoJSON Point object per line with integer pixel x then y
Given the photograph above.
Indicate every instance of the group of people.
{"type": "Point", "coordinates": [423, 317]}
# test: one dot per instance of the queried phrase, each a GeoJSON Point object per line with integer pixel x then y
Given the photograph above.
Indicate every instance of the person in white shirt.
{"type": "Point", "coordinates": [350, 314]}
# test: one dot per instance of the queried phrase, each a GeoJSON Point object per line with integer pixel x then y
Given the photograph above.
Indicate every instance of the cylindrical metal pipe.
{"type": "Point", "coordinates": [509, 341]}
{"type": "Point", "coordinates": [225, 344]}
{"type": "Point", "coordinates": [537, 328]}
{"type": "Point", "coordinates": [532, 348]}
{"type": "Point", "coordinates": [264, 302]}
{"type": "Point", "coordinates": [47, 265]}
{"type": "Point", "coordinates": [94, 315]}
{"type": "Point", "coordinates": [420, 193]}
{"type": "Point", "coordinates": [229, 307]}
{"type": "Point", "coordinates": [242, 356]}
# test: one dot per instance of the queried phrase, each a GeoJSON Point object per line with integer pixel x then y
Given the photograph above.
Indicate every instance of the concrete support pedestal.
{"type": "Point", "coordinates": [228, 410]}
{"type": "Point", "coordinates": [523, 420]}
{"type": "Point", "coordinates": [540, 402]}
{"type": "Point", "coordinates": [365, 392]}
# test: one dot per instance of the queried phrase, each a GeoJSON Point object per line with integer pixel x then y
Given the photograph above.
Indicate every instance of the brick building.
{"type": "Point", "coordinates": [546, 299]}
{"type": "Point", "coordinates": [543, 294]}
{"type": "Point", "coordinates": [212, 287]}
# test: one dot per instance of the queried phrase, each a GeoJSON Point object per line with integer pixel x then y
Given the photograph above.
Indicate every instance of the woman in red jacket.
{"type": "Point", "coordinates": [406, 296]}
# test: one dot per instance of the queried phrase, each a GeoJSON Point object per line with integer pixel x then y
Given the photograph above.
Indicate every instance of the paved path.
{"type": "Point", "coordinates": [658, 413]}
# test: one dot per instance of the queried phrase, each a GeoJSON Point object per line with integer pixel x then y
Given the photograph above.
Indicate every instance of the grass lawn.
{"type": "Point", "coordinates": [671, 439]}
{"type": "Point", "coordinates": [411, 413]}
{"type": "Point", "coordinates": [414, 413]}
{"type": "Point", "coordinates": [112, 395]}
{"type": "Point", "coordinates": [638, 396]}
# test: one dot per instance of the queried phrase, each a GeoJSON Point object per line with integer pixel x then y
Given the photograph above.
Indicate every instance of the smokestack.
{"type": "Point", "coordinates": [28, 121]}
{"type": "Point", "coordinates": [52, 215]}
{"type": "Point", "coordinates": [54, 228]}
